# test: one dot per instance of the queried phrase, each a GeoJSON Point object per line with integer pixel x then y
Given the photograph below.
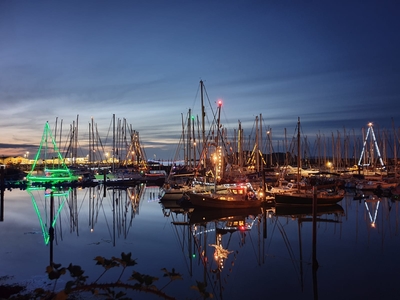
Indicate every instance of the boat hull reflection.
{"type": "Point", "coordinates": [308, 210]}
{"type": "Point", "coordinates": [202, 215]}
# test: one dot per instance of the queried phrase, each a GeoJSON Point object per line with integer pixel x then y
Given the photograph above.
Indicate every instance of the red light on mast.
{"type": "Point", "coordinates": [219, 103]}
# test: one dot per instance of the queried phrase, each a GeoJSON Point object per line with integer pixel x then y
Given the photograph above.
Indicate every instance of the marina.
{"type": "Point", "coordinates": [276, 252]}
{"type": "Point", "coordinates": [219, 150]}
{"type": "Point", "coordinates": [225, 221]}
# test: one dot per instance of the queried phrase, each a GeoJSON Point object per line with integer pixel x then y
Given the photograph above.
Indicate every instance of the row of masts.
{"type": "Point", "coordinates": [337, 152]}
{"type": "Point", "coordinates": [124, 148]}
{"type": "Point", "coordinates": [341, 151]}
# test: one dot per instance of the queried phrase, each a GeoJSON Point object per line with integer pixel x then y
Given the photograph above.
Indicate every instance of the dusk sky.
{"type": "Point", "coordinates": [334, 64]}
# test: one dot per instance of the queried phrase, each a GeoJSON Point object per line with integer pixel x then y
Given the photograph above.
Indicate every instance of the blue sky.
{"type": "Point", "coordinates": [334, 64]}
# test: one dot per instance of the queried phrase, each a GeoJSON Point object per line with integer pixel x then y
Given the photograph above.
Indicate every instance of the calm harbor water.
{"type": "Point", "coordinates": [357, 244]}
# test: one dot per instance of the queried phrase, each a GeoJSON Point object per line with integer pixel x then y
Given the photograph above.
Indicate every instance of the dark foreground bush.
{"type": "Point", "coordinates": [78, 286]}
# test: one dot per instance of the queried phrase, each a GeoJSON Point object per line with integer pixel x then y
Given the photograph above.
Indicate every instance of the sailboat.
{"type": "Point", "coordinates": [199, 177]}
{"type": "Point", "coordinates": [297, 196]}
{"type": "Point", "coordinates": [306, 195]}
{"type": "Point", "coordinates": [184, 179]}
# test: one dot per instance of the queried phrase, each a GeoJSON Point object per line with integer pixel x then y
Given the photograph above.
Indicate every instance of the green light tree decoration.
{"type": "Point", "coordinates": [59, 173]}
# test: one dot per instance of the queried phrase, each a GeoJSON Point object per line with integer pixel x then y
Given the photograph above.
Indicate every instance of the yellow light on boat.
{"type": "Point", "coordinates": [370, 124]}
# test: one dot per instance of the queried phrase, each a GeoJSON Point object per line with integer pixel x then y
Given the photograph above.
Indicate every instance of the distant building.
{"type": "Point", "coordinates": [14, 160]}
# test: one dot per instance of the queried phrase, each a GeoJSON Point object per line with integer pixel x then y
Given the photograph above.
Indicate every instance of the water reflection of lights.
{"type": "Point", "coordinates": [152, 193]}
{"type": "Point", "coordinates": [220, 254]}
{"type": "Point", "coordinates": [45, 220]}
{"type": "Point", "coordinates": [203, 231]}
{"type": "Point", "coordinates": [236, 225]}
{"type": "Point", "coordinates": [240, 225]}
{"type": "Point", "coordinates": [372, 218]}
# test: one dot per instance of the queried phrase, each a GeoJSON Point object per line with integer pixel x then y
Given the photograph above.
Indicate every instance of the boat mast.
{"type": "Point", "coordinates": [55, 138]}
{"type": "Point", "coordinates": [92, 157]}
{"type": "Point", "coordinates": [90, 146]}
{"type": "Point", "coordinates": [395, 149]}
{"type": "Point", "coordinates": [194, 143]}
{"type": "Point", "coordinates": [76, 141]}
{"type": "Point", "coordinates": [203, 126]}
{"type": "Point", "coordinates": [113, 147]}
{"type": "Point", "coordinates": [298, 153]}
{"type": "Point", "coordinates": [269, 135]}
{"type": "Point", "coordinates": [189, 139]}
{"type": "Point", "coordinates": [338, 147]}
{"type": "Point", "coordinates": [261, 147]}
{"type": "Point", "coordinates": [256, 148]}
{"type": "Point", "coordinates": [319, 149]}
{"type": "Point", "coordinates": [346, 148]}
{"type": "Point", "coordinates": [218, 153]}
{"type": "Point", "coordinates": [184, 141]}
{"type": "Point", "coordinates": [333, 151]}
{"type": "Point", "coordinates": [59, 142]}
{"type": "Point", "coordinates": [286, 149]}
{"type": "Point", "coordinates": [240, 146]}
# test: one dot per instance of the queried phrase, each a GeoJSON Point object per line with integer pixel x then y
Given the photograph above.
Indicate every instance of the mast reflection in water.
{"type": "Point", "coordinates": [233, 254]}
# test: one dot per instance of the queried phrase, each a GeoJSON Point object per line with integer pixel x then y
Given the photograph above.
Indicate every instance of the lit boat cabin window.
{"type": "Point", "coordinates": [238, 191]}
